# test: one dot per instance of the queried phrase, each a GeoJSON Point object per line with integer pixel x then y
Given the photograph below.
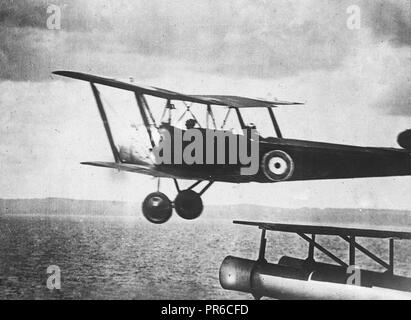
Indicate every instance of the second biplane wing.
{"type": "Point", "coordinates": [328, 230]}
{"type": "Point", "coordinates": [299, 278]}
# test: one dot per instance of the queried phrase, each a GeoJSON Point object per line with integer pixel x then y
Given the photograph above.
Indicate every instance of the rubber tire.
{"type": "Point", "coordinates": [165, 208]}
{"type": "Point", "coordinates": [188, 204]}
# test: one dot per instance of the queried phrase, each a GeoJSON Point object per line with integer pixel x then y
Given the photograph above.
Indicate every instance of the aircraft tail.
{"type": "Point", "coordinates": [404, 139]}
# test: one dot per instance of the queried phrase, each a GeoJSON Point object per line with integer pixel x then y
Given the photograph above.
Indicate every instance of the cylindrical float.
{"type": "Point", "coordinates": [333, 273]}
{"type": "Point", "coordinates": [284, 282]}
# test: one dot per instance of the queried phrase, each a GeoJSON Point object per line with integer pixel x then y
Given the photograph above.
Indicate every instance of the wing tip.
{"type": "Point", "coordinates": [60, 72]}
{"type": "Point", "coordinates": [278, 105]}
{"type": "Point", "coordinates": [66, 73]}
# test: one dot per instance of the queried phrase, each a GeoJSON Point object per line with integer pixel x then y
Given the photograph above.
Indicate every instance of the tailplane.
{"type": "Point", "coordinates": [404, 139]}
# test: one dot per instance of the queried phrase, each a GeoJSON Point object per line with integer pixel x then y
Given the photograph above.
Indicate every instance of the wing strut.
{"type": "Point", "coordinates": [240, 118]}
{"type": "Point", "coordinates": [210, 114]}
{"type": "Point", "coordinates": [105, 122]}
{"type": "Point", "coordinates": [275, 123]}
{"type": "Point", "coordinates": [140, 103]}
{"type": "Point", "coordinates": [149, 111]}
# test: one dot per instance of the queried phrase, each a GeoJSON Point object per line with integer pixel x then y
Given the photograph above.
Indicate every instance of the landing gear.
{"type": "Point", "coordinates": [188, 204]}
{"type": "Point", "coordinates": [157, 207]}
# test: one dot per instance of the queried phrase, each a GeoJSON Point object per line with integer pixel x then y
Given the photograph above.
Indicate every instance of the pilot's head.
{"type": "Point", "coordinates": [190, 123]}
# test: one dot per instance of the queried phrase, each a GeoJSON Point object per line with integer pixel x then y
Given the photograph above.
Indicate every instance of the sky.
{"type": "Point", "coordinates": [355, 83]}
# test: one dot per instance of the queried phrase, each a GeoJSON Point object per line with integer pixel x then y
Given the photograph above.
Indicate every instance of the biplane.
{"type": "Point", "coordinates": [278, 159]}
{"type": "Point", "coordinates": [299, 278]}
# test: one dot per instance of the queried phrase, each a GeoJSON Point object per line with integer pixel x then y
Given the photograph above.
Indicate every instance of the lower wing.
{"type": "Point", "coordinates": [170, 172]}
{"type": "Point", "coordinates": [143, 169]}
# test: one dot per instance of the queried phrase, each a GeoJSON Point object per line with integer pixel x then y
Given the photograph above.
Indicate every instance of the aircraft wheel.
{"type": "Point", "coordinates": [157, 207]}
{"type": "Point", "coordinates": [277, 165]}
{"type": "Point", "coordinates": [188, 204]}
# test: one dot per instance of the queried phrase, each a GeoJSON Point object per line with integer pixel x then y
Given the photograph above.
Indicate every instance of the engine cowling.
{"type": "Point", "coordinates": [404, 139]}
{"type": "Point", "coordinates": [157, 207]}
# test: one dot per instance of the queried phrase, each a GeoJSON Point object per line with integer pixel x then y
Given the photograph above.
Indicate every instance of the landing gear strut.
{"type": "Point", "coordinates": [157, 207]}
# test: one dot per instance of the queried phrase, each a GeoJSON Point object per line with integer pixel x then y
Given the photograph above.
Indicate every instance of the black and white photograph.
{"type": "Point", "coordinates": [225, 151]}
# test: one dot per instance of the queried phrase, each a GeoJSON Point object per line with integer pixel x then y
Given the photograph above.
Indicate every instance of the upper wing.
{"type": "Point", "coordinates": [243, 102]}
{"type": "Point", "coordinates": [219, 100]}
{"type": "Point", "coordinates": [153, 91]}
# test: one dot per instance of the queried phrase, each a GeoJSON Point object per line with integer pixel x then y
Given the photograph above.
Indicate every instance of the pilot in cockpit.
{"type": "Point", "coordinates": [190, 124]}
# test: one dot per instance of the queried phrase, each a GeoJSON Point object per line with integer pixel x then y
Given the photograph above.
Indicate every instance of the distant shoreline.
{"type": "Point", "coordinates": [54, 207]}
